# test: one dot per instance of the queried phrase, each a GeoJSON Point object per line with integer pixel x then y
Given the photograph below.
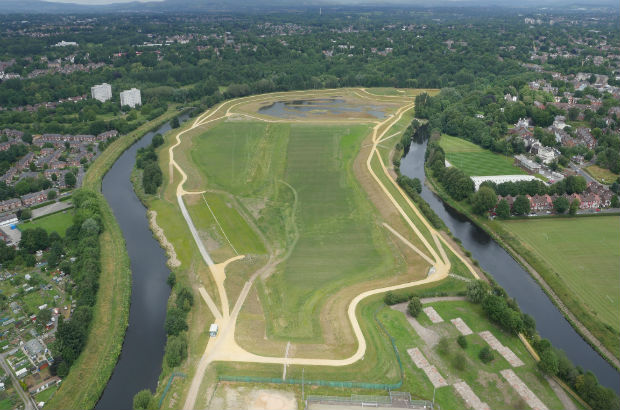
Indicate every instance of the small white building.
{"type": "Point", "coordinates": [213, 330]}
{"type": "Point", "coordinates": [131, 98]}
{"type": "Point", "coordinates": [499, 179]}
{"type": "Point", "coordinates": [101, 92]}
{"type": "Point", "coordinates": [21, 372]}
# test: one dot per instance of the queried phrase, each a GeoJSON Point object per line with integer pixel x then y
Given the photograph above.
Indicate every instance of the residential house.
{"type": "Point", "coordinates": [10, 204]}
{"type": "Point", "coordinates": [540, 202]}
{"type": "Point", "coordinates": [527, 164]}
{"type": "Point", "coordinates": [25, 161]}
{"type": "Point", "coordinates": [34, 198]}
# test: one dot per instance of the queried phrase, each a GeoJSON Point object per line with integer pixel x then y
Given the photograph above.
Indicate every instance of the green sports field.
{"type": "Point", "coordinates": [474, 160]}
{"type": "Point", "coordinates": [58, 223]}
{"type": "Point", "coordinates": [584, 253]}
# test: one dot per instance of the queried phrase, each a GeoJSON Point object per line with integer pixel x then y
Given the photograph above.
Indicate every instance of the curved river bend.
{"type": "Point", "coordinates": [517, 282]}
{"type": "Point", "coordinates": [139, 364]}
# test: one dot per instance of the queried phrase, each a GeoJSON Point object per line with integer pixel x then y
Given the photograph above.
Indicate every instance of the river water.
{"type": "Point", "coordinates": [139, 364]}
{"type": "Point", "coordinates": [518, 283]}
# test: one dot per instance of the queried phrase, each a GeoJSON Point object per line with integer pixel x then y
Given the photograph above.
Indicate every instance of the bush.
{"type": "Point", "coordinates": [143, 400]}
{"type": "Point", "coordinates": [477, 290]}
{"type": "Point", "coordinates": [392, 298]}
{"type": "Point", "coordinates": [486, 355]}
{"type": "Point", "coordinates": [175, 321]}
{"type": "Point", "coordinates": [549, 362]}
{"type": "Point", "coordinates": [176, 350]}
{"type": "Point", "coordinates": [414, 307]}
{"type": "Point", "coordinates": [462, 341]}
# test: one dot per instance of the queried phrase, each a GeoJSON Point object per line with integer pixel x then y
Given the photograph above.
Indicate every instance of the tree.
{"type": "Point", "coordinates": [503, 209]}
{"type": "Point", "coordinates": [185, 299]}
{"type": "Point", "coordinates": [477, 290]}
{"type": "Point", "coordinates": [157, 141]}
{"type": "Point", "coordinates": [51, 194]}
{"type": "Point", "coordinates": [560, 204]}
{"type": "Point", "coordinates": [521, 206]}
{"type": "Point", "coordinates": [486, 354]}
{"type": "Point", "coordinates": [143, 400]}
{"type": "Point", "coordinates": [574, 207]}
{"type": "Point", "coordinates": [172, 279]}
{"type": "Point", "coordinates": [70, 179]}
{"type": "Point", "coordinates": [615, 203]}
{"type": "Point", "coordinates": [44, 316]}
{"type": "Point", "coordinates": [176, 350]}
{"type": "Point", "coordinates": [483, 200]}
{"type": "Point", "coordinates": [414, 307]}
{"type": "Point", "coordinates": [462, 341]}
{"type": "Point", "coordinates": [25, 214]}
{"type": "Point", "coordinates": [175, 122]}
{"type": "Point", "coordinates": [175, 321]}
{"type": "Point", "coordinates": [549, 362]}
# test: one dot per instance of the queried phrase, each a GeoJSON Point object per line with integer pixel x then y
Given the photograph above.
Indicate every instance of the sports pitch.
{"type": "Point", "coordinates": [476, 161]}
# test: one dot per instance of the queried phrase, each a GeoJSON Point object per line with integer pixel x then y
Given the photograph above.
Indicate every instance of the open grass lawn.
{"type": "Point", "coordinates": [474, 160]}
{"type": "Point", "coordinates": [296, 182]}
{"type": "Point", "coordinates": [58, 222]}
{"type": "Point", "coordinates": [602, 175]}
{"type": "Point", "coordinates": [584, 253]}
{"type": "Point", "coordinates": [336, 240]}
{"type": "Point", "coordinates": [7, 404]}
{"type": "Point", "coordinates": [46, 394]}
{"type": "Point", "coordinates": [215, 215]}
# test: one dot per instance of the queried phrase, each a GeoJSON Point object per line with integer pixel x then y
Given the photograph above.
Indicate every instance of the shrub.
{"type": "Point", "coordinates": [486, 355]}
{"type": "Point", "coordinates": [414, 307]}
{"type": "Point", "coordinates": [176, 350]}
{"type": "Point", "coordinates": [462, 341]}
{"type": "Point", "coordinates": [143, 400]}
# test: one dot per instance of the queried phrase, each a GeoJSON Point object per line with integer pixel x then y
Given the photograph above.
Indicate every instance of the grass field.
{"type": "Point", "coordinates": [58, 222]}
{"type": "Point", "coordinates": [474, 160]}
{"type": "Point", "coordinates": [302, 173]}
{"type": "Point", "coordinates": [336, 240]}
{"type": "Point", "coordinates": [602, 175]}
{"type": "Point", "coordinates": [584, 253]}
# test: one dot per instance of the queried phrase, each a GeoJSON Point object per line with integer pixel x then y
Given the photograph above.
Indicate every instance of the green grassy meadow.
{"type": "Point", "coordinates": [58, 222]}
{"type": "Point", "coordinates": [476, 161]}
{"type": "Point", "coordinates": [584, 253]}
{"type": "Point", "coordinates": [297, 184]}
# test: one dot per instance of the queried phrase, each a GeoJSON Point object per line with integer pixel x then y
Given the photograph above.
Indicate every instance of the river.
{"type": "Point", "coordinates": [517, 282]}
{"type": "Point", "coordinates": [139, 364]}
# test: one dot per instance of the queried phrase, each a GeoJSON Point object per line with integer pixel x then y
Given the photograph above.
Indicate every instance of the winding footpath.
{"type": "Point", "coordinates": [224, 347]}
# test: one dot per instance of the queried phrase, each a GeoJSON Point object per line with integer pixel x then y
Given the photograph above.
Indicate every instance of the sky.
{"type": "Point", "coordinates": [97, 2]}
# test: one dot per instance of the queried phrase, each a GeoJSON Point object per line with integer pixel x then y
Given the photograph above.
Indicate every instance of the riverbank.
{"type": "Point", "coordinates": [597, 335]}
{"type": "Point", "coordinates": [89, 375]}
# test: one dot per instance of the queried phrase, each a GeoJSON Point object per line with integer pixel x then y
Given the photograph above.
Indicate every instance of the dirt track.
{"type": "Point", "coordinates": [225, 347]}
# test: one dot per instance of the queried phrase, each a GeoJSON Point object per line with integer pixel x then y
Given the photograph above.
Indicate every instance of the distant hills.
{"type": "Point", "coordinates": [41, 6]}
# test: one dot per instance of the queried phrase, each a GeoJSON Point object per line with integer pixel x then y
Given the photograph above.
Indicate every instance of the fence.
{"type": "Point", "coordinates": [163, 395]}
{"type": "Point", "coordinates": [330, 383]}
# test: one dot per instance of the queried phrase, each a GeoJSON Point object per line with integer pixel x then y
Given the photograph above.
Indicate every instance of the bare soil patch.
{"type": "Point", "coordinates": [234, 397]}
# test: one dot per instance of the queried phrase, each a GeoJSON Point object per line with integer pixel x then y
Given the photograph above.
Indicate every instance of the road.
{"type": "Point", "coordinates": [224, 347]}
{"type": "Point", "coordinates": [29, 403]}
